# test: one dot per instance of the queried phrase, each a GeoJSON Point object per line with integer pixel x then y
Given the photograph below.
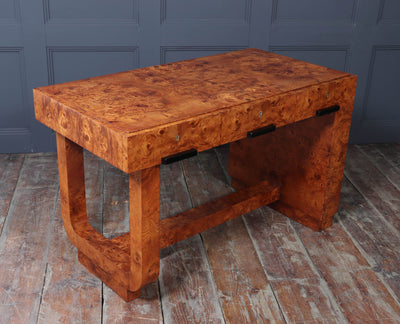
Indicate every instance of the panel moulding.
{"type": "Point", "coordinates": [381, 19]}
{"type": "Point", "coordinates": [133, 19]}
{"type": "Point", "coordinates": [276, 20]}
{"type": "Point", "coordinates": [22, 68]}
{"type": "Point", "coordinates": [16, 16]}
{"type": "Point", "coordinates": [165, 49]}
{"type": "Point", "coordinates": [86, 49]}
{"type": "Point", "coordinates": [317, 48]}
{"type": "Point", "coordinates": [15, 132]}
{"type": "Point", "coordinates": [375, 49]}
{"type": "Point", "coordinates": [246, 16]}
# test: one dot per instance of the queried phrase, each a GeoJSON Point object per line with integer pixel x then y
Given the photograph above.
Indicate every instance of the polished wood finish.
{"type": "Point", "coordinates": [216, 212]}
{"type": "Point", "coordinates": [144, 206]}
{"type": "Point", "coordinates": [306, 159]}
{"type": "Point", "coordinates": [133, 119]}
{"type": "Point", "coordinates": [245, 292]}
{"type": "Point", "coordinates": [347, 273]}
{"type": "Point", "coordinates": [103, 258]}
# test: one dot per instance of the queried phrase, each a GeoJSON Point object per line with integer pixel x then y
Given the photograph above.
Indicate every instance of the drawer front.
{"type": "Point", "coordinates": [278, 110]}
{"type": "Point", "coordinates": [147, 148]}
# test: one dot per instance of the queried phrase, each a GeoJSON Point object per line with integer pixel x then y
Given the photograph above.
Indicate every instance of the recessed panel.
{"type": "Point", "coordinates": [313, 10]}
{"type": "Point", "coordinates": [332, 58]}
{"type": "Point", "coordinates": [11, 90]}
{"type": "Point", "coordinates": [175, 54]}
{"type": "Point", "coordinates": [91, 9]}
{"type": "Point", "coordinates": [231, 10]}
{"type": "Point", "coordinates": [7, 9]}
{"type": "Point", "coordinates": [69, 65]}
{"type": "Point", "coordinates": [390, 11]}
{"type": "Point", "coordinates": [384, 84]}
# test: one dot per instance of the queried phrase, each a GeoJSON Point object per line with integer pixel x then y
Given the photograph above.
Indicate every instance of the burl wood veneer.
{"type": "Point", "coordinates": [134, 119]}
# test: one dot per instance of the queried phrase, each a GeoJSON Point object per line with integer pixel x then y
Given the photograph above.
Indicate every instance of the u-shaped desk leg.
{"type": "Point", "coordinates": [123, 267]}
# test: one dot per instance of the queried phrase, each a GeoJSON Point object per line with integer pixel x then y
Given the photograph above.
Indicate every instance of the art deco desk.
{"type": "Point", "coordinates": [287, 121]}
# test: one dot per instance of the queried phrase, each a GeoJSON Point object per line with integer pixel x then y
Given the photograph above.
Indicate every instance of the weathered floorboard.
{"type": "Point", "coordinates": [116, 202]}
{"type": "Point", "coordinates": [302, 294]}
{"type": "Point", "coordinates": [186, 284]}
{"type": "Point", "coordinates": [376, 188]}
{"type": "Point", "coordinates": [216, 212]}
{"type": "Point", "coordinates": [10, 166]}
{"type": "Point", "coordinates": [24, 242]}
{"type": "Point", "coordinates": [94, 181]}
{"type": "Point", "coordinates": [244, 292]}
{"type": "Point", "coordinates": [386, 157]}
{"type": "Point", "coordinates": [41, 280]}
{"type": "Point", "coordinates": [147, 308]}
{"type": "Point", "coordinates": [71, 293]}
{"type": "Point", "coordinates": [378, 242]}
{"type": "Point", "coordinates": [349, 276]}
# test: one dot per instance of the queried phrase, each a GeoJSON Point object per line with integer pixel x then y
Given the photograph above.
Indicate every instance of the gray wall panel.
{"type": "Point", "coordinates": [314, 10]}
{"type": "Point", "coordinates": [74, 63]}
{"type": "Point", "coordinates": [49, 41]}
{"type": "Point", "coordinates": [234, 11]}
{"type": "Point", "coordinates": [12, 88]}
{"type": "Point", "coordinates": [88, 10]}
{"type": "Point", "coordinates": [384, 85]}
{"type": "Point", "coordinates": [180, 53]}
{"type": "Point", "coordinates": [333, 57]}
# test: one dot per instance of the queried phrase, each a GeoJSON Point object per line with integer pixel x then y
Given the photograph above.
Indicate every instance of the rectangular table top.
{"type": "Point", "coordinates": [129, 118]}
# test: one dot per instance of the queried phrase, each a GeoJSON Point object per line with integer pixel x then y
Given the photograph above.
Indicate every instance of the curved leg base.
{"type": "Point", "coordinates": [105, 277]}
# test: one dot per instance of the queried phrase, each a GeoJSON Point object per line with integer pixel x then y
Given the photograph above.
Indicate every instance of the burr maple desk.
{"type": "Point", "coordinates": [287, 121]}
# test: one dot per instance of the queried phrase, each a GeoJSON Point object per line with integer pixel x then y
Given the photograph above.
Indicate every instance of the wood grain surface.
{"type": "Point", "coordinates": [306, 159]}
{"type": "Point", "coordinates": [244, 291]}
{"type": "Point", "coordinates": [10, 166]}
{"type": "Point", "coordinates": [307, 275]}
{"type": "Point", "coordinates": [144, 224]}
{"type": "Point", "coordinates": [71, 294]}
{"type": "Point", "coordinates": [349, 277]}
{"type": "Point", "coordinates": [216, 212]}
{"type": "Point", "coordinates": [146, 308]}
{"type": "Point", "coordinates": [385, 199]}
{"type": "Point", "coordinates": [24, 241]}
{"type": "Point", "coordinates": [186, 281]}
{"type": "Point", "coordinates": [133, 119]}
{"type": "Point", "coordinates": [302, 294]}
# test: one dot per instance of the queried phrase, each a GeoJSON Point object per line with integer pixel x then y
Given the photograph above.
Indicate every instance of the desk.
{"type": "Point", "coordinates": [287, 121]}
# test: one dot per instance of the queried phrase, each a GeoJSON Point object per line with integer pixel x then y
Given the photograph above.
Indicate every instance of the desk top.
{"type": "Point", "coordinates": [150, 99]}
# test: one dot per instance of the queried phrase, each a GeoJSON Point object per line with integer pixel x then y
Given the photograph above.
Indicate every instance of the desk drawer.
{"type": "Point", "coordinates": [147, 148]}
{"type": "Point", "coordinates": [279, 110]}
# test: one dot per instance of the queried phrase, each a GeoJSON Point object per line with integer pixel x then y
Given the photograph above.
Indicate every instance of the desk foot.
{"type": "Point", "coordinates": [108, 279]}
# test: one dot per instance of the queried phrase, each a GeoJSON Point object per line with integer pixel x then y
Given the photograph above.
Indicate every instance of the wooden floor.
{"type": "Point", "coordinates": [257, 268]}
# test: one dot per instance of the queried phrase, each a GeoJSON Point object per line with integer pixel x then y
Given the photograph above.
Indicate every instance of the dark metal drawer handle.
{"type": "Point", "coordinates": [325, 111]}
{"type": "Point", "coordinates": [261, 131]}
{"type": "Point", "coordinates": [178, 156]}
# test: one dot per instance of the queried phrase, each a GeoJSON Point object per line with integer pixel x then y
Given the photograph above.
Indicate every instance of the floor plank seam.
{"type": "Point", "coordinates": [102, 232]}
{"type": "Point", "coordinates": [368, 259]}
{"type": "Point", "coordinates": [397, 186]}
{"type": "Point", "coordinates": [324, 283]}
{"type": "Point", "coordinates": [219, 158]}
{"type": "Point", "coordinates": [160, 300]}
{"type": "Point", "coordinates": [214, 286]}
{"type": "Point", "coordinates": [53, 213]}
{"type": "Point", "coordinates": [12, 197]}
{"type": "Point", "coordinates": [381, 216]}
{"type": "Point", "coordinates": [41, 293]}
{"type": "Point", "coordinates": [186, 183]}
{"type": "Point", "coordinates": [259, 257]}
